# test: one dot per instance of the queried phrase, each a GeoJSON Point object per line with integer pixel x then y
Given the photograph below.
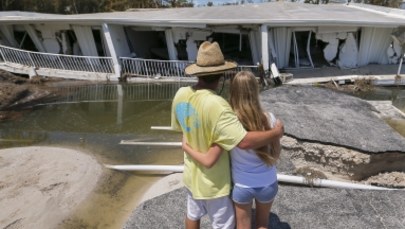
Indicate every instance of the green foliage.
{"type": "Point", "coordinates": [177, 3]}
{"type": "Point", "coordinates": [317, 1]}
{"type": "Point", "coordinates": [388, 3]}
{"type": "Point", "coordinates": [86, 6]}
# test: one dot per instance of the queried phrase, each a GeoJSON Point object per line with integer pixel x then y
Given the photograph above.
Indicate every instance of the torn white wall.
{"type": "Point", "coordinates": [282, 45]}
{"type": "Point", "coordinates": [373, 47]}
{"type": "Point", "coordinates": [394, 52]}
{"type": "Point", "coordinates": [171, 49]}
{"type": "Point", "coordinates": [254, 47]}
{"type": "Point", "coordinates": [348, 52]}
{"type": "Point", "coordinates": [191, 44]}
{"type": "Point", "coordinates": [332, 39]}
{"type": "Point", "coordinates": [50, 36]}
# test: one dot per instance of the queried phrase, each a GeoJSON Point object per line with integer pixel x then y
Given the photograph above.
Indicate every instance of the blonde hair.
{"type": "Point", "coordinates": [244, 99]}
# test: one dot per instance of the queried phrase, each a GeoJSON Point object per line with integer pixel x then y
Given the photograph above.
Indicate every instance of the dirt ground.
{"type": "Point", "coordinates": [41, 186]}
{"type": "Point", "coordinates": [388, 179]}
{"type": "Point", "coordinates": [358, 86]}
{"type": "Point", "coordinates": [319, 161]}
{"type": "Point", "coordinates": [17, 92]}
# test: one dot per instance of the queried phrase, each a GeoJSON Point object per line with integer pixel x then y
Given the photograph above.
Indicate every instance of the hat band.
{"type": "Point", "coordinates": [204, 66]}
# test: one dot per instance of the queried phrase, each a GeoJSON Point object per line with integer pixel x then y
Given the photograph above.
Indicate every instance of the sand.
{"type": "Point", "coordinates": [162, 186]}
{"type": "Point", "coordinates": [41, 186]}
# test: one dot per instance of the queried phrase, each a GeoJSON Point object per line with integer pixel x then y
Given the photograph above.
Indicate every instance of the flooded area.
{"type": "Point", "coordinates": [396, 95]}
{"type": "Point", "coordinates": [95, 118]}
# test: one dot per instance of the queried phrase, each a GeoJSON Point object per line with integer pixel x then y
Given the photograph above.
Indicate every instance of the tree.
{"type": "Point", "coordinates": [317, 1]}
{"type": "Point", "coordinates": [87, 6]}
{"type": "Point", "coordinates": [5, 4]}
{"type": "Point", "coordinates": [389, 3]}
{"type": "Point", "coordinates": [178, 3]}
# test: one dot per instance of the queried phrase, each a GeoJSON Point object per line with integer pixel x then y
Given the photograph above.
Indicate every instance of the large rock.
{"type": "Point", "coordinates": [294, 207]}
{"type": "Point", "coordinates": [322, 115]}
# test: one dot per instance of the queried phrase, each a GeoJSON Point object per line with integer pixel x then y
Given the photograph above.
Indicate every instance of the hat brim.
{"type": "Point", "coordinates": [196, 70]}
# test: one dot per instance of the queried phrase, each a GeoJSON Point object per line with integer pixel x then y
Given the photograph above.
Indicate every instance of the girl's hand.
{"type": "Point", "coordinates": [207, 159]}
{"type": "Point", "coordinates": [187, 148]}
{"type": "Point", "coordinates": [184, 143]}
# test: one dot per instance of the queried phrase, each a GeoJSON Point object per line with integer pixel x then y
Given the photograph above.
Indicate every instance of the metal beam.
{"type": "Point", "coordinates": [111, 48]}
{"type": "Point", "coordinates": [265, 47]}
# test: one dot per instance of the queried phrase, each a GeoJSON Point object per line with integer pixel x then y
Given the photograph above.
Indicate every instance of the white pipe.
{"type": "Point", "coordinates": [162, 168]}
{"type": "Point", "coordinates": [161, 128]}
{"type": "Point", "coordinates": [280, 177]}
{"type": "Point", "coordinates": [130, 142]}
{"type": "Point", "coordinates": [326, 183]}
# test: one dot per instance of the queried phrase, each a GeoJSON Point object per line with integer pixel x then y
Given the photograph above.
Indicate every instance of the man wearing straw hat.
{"type": "Point", "coordinates": [206, 118]}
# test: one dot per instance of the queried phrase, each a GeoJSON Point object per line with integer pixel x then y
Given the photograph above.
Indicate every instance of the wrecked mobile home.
{"type": "Point", "coordinates": [146, 43]}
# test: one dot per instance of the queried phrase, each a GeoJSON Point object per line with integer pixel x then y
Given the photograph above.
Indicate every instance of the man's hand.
{"type": "Point", "coordinates": [257, 139]}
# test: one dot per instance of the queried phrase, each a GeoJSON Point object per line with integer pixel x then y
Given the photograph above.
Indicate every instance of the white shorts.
{"type": "Point", "coordinates": [220, 211]}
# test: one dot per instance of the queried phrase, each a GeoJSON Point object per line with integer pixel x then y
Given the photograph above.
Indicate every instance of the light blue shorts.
{"type": "Point", "coordinates": [242, 195]}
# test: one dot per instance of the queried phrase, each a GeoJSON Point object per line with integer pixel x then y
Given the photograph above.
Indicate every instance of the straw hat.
{"type": "Point", "coordinates": [210, 60]}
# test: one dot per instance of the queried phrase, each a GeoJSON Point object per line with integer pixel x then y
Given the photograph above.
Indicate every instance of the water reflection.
{"type": "Point", "coordinates": [99, 116]}
{"type": "Point", "coordinates": [114, 92]}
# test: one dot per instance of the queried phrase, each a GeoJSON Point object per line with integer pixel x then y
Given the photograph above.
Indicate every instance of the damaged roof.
{"type": "Point", "coordinates": [272, 14]}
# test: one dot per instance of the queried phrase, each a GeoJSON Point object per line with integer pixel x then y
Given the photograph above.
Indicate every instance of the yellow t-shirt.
{"type": "Point", "coordinates": [206, 118]}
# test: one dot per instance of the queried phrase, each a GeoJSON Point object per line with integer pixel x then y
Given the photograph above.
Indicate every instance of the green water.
{"type": "Point", "coordinates": [95, 118]}
{"type": "Point", "coordinates": [99, 124]}
{"type": "Point", "coordinates": [394, 94]}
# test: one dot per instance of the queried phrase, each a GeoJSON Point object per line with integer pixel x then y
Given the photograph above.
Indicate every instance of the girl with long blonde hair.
{"type": "Point", "coordinates": [254, 174]}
